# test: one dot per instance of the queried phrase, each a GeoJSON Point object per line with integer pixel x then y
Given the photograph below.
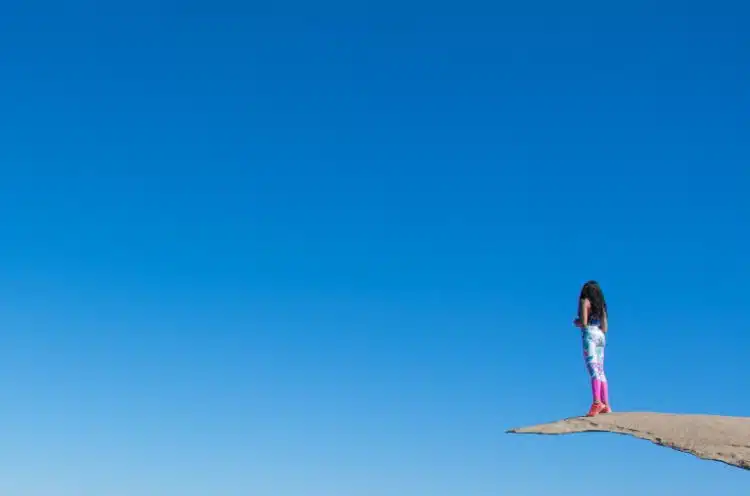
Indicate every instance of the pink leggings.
{"type": "Point", "coordinates": [594, 342]}
{"type": "Point", "coordinates": [600, 391]}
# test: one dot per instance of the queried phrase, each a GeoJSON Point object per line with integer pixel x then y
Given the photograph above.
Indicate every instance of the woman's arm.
{"type": "Point", "coordinates": [583, 311]}
{"type": "Point", "coordinates": [604, 321]}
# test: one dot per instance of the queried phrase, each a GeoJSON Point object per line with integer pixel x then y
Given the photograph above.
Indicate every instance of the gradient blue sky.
{"type": "Point", "coordinates": [334, 249]}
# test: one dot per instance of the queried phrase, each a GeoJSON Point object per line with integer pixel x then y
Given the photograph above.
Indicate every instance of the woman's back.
{"type": "Point", "coordinates": [592, 306]}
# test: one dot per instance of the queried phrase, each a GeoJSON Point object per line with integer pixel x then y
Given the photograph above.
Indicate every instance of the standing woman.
{"type": "Point", "coordinates": [592, 320]}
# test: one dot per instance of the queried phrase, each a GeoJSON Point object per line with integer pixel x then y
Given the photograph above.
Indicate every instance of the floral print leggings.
{"type": "Point", "coordinates": [594, 342]}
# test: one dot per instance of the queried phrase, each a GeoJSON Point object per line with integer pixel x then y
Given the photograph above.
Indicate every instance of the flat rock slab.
{"type": "Point", "coordinates": [710, 437]}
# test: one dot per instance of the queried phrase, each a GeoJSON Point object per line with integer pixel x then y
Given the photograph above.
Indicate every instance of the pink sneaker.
{"type": "Point", "coordinates": [606, 409]}
{"type": "Point", "coordinates": [595, 410]}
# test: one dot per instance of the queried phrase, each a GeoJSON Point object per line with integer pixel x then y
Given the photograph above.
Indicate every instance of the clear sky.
{"type": "Point", "coordinates": [334, 248]}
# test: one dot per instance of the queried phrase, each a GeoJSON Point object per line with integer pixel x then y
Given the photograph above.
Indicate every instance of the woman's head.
{"type": "Point", "coordinates": [592, 292]}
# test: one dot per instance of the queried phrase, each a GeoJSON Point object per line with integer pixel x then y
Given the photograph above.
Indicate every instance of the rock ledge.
{"type": "Point", "coordinates": [710, 437]}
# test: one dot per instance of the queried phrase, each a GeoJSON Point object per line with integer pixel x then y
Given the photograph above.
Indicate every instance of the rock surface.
{"type": "Point", "coordinates": [710, 437]}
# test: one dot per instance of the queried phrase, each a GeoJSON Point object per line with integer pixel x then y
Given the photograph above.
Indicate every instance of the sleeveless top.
{"type": "Point", "coordinates": [595, 320]}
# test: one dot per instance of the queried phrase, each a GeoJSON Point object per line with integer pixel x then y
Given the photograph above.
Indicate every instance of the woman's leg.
{"type": "Point", "coordinates": [603, 378]}
{"type": "Point", "coordinates": [593, 350]}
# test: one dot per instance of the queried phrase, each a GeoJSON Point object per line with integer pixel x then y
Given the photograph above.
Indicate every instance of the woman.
{"type": "Point", "coordinates": [592, 320]}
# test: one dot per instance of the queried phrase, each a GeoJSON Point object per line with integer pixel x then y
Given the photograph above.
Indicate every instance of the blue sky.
{"type": "Point", "coordinates": [335, 249]}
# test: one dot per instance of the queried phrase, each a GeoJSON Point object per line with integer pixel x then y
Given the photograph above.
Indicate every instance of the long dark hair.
{"type": "Point", "coordinates": [592, 292]}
